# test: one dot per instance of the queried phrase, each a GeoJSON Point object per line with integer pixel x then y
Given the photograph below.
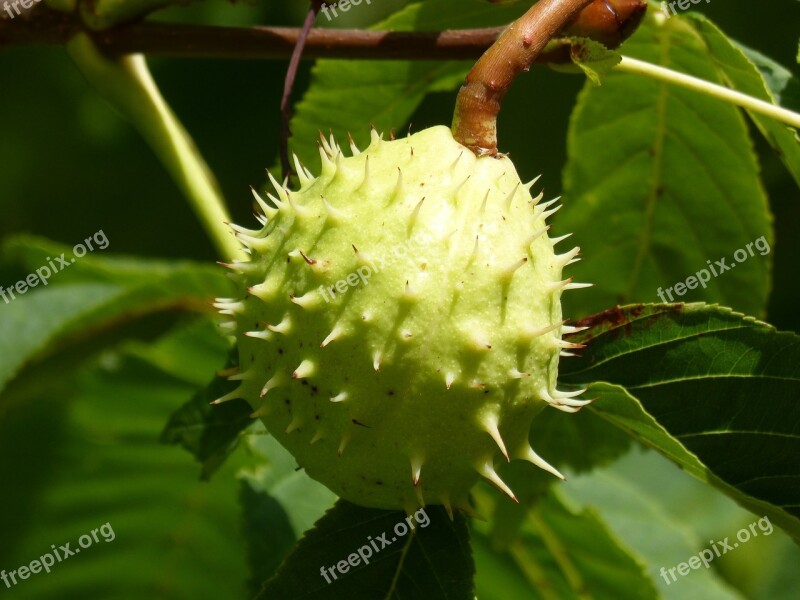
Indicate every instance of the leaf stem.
{"type": "Point", "coordinates": [632, 65]}
{"type": "Point", "coordinates": [478, 102]}
{"type": "Point", "coordinates": [127, 84]}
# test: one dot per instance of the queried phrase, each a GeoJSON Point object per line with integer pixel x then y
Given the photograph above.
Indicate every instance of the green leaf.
{"type": "Point", "coordinates": [91, 456]}
{"type": "Point", "coordinates": [497, 576]}
{"type": "Point", "coordinates": [31, 322]}
{"type": "Point", "coordinates": [651, 520]}
{"type": "Point", "coordinates": [30, 253]}
{"type": "Point", "coordinates": [280, 503]}
{"type": "Point", "coordinates": [103, 14]}
{"type": "Point", "coordinates": [754, 74]}
{"type": "Point", "coordinates": [89, 293]}
{"type": "Point", "coordinates": [210, 433]}
{"type": "Point", "coordinates": [714, 391]}
{"type": "Point", "coordinates": [661, 180]}
{"type": "Point", "coordinates": [682, 517]}
{"type": "Point", "coordinates": [347, 96]}
{"type": "Point", "coordinates": [568, 554]}
{"type": "Point", "coordinates": [591, 57]}
{"type": "Point", "coordinates": [432, 561]}
{"type": "Point", "coordinates": [782, 85]}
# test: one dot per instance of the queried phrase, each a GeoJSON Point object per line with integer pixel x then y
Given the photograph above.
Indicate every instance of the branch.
{"type": "Point", "coordinates": [45, 27]}
{"type": "Point", "coordinates": [263, 43]}
{"type": "Point", "coordinates": [276, 43]}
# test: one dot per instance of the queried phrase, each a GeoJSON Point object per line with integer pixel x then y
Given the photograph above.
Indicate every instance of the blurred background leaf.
{"type": "Point", "coordinates": [666, 516]}
{"type": "Point", "coordinates": [279, 503]}
{"type": "Point", "coordinates": [210, 432]}
{"type": "Point", "coordinates": [563, 554]}
{"type": "Point", "coordinates": [92, 456]}
{"type": "Point", "coordinates": [89, 295]}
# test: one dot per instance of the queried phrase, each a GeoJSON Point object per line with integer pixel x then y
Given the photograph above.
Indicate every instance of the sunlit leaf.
{"type": "Point", "coordinates": [714, 391]}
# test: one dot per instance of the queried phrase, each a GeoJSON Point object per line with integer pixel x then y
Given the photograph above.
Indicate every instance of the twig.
{"type": "Point", "coordinates": [271, 43]}
{"type": "Point", "coordinates": [288, 84]}
{"type": "Point", "coordinates": [604, 21]}
{"type": "Point", "coordinates": [276, 43]}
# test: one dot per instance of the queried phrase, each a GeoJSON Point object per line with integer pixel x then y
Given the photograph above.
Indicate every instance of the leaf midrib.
{"type": "Point", "coordinates": [658, 151]}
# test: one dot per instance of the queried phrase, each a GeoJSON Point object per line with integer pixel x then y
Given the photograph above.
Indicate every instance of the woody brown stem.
{"type": "Point", "coordinates": [276, 43]}
{"type": "Point", "coordinates": [263, 43]}
{"type": "Point", "coordinates": [478, 102]}
{"type": "Point", "coordinates": [605, 21]}
{"type": "Point", "coordinates": [518, 48]}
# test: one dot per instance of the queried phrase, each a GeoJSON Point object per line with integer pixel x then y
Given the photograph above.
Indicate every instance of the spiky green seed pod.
{"type": "Point", "coordinates": [400, 320]}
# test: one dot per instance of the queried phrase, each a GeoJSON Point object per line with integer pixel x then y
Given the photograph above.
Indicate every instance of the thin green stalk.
{"type": "Point", "coordinates": [127, 84]}
{"type": "Point", "coordinates": [631, 65]}
{"type": "Point", "coordinates": [560, 554]}
{"type": "Point", "coordinates": [535, 575]}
